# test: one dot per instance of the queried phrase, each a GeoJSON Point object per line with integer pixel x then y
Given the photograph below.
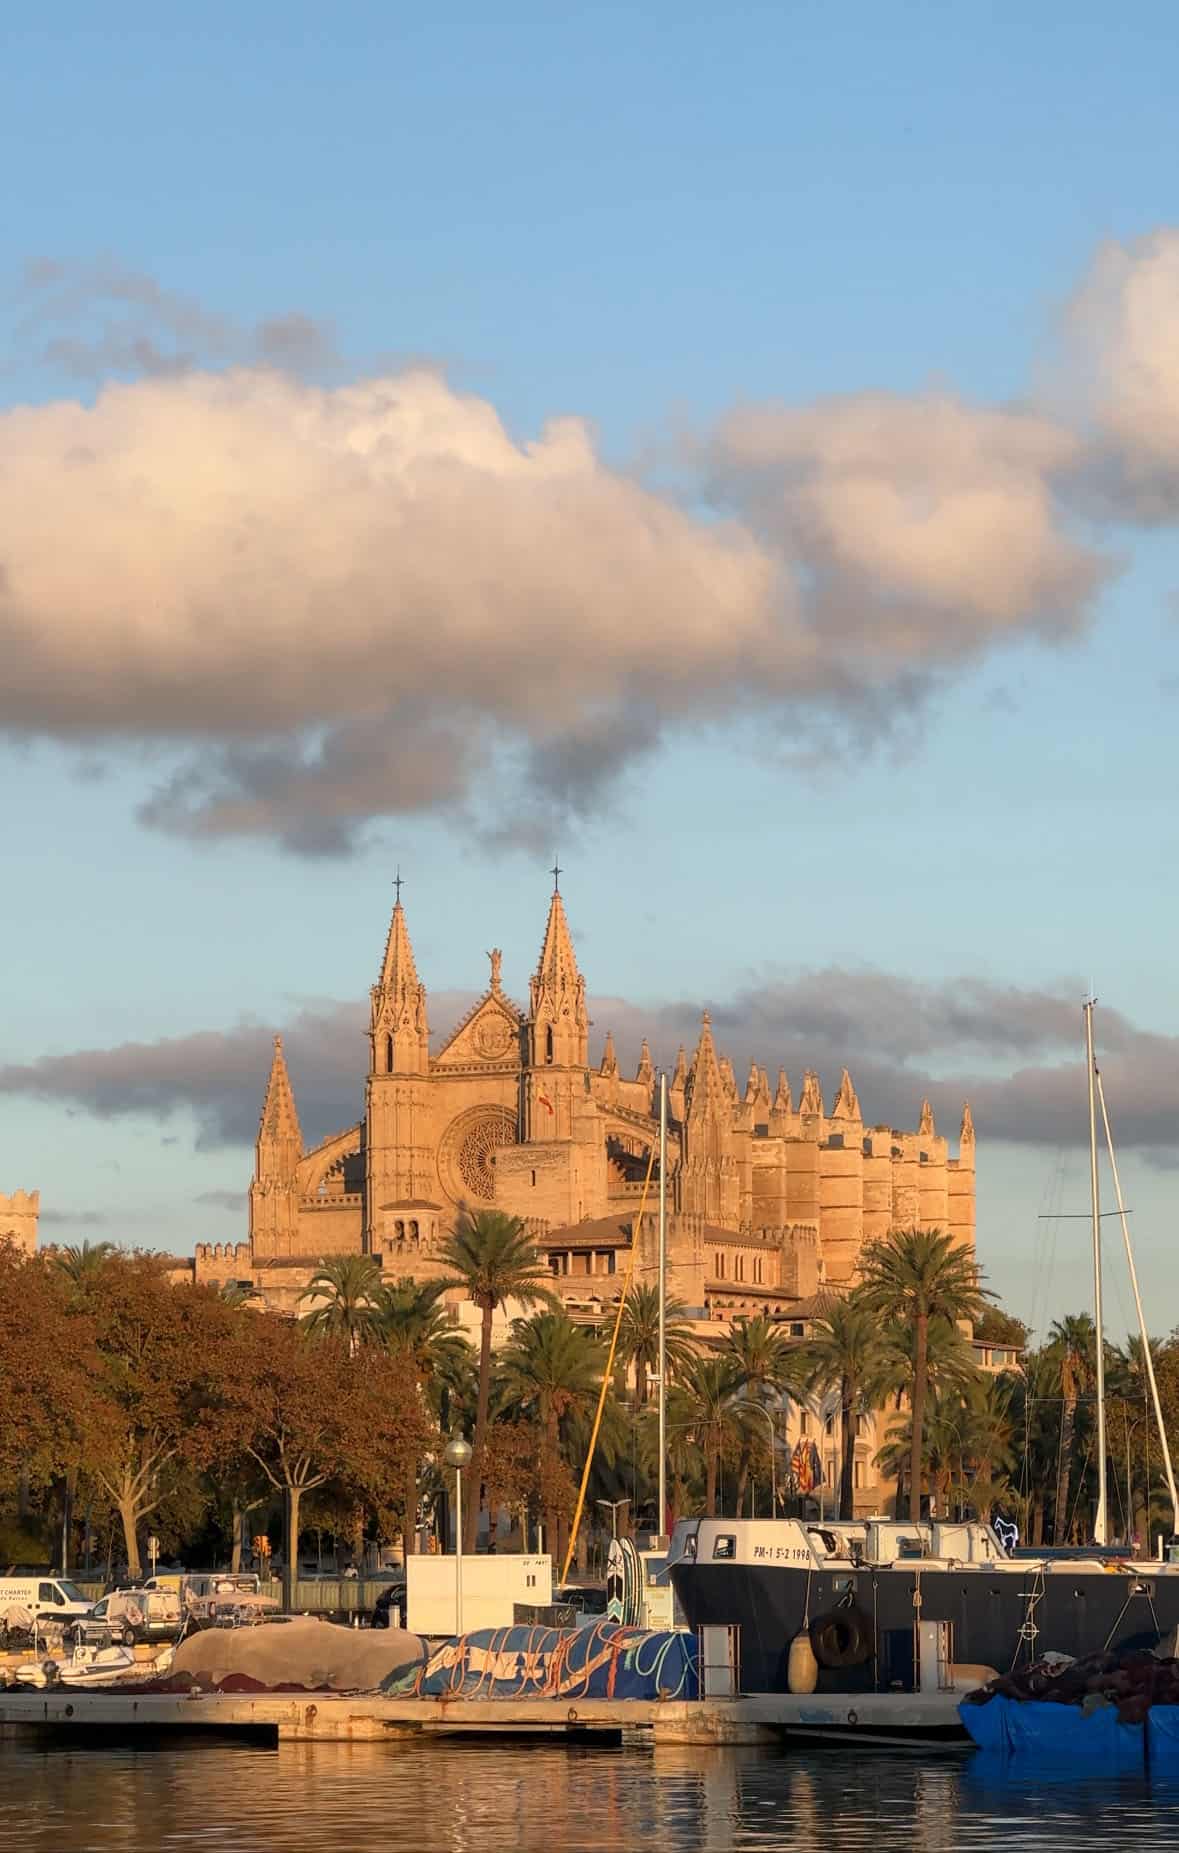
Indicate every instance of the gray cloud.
{"type": "Point", "coordinates": [89, 320]}
{"type": "Point", "coordinates": [1015, 1053]}
{"type": "Point", "coordinates": [53, 1218]}
{"type": "Point", "coordinates": [234, 1200]}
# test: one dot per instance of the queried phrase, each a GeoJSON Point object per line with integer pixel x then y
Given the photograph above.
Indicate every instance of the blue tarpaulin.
{"type": "Point", "coordinates": [1162, 1736]}
{"type": "Point", "coordinates": [1056, 1733]}
{"type": "Point", "coordinates": [601, 1662]}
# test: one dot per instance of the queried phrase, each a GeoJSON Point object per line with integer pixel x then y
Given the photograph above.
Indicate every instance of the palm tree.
{"type": "Point", "coordinates": [409, 1318]}
{"type": "Point", "coordinates": [1072, 1347]}
{"type": "Point", "coordinates": [638, 1336]}
{"type": "Point", "coordinates": [494, 1258]}
{"type": "Point", "coordinates": [708, 1405]}
{"type": "Point", "coordinates": [348, 1287]}
{"type": "Point", "coordinates": [80, 1265]}
{"type": "Point", "coordinates": [848, 1352]}
{"type": "Point", "coordinates": [551, 1371]}
{"type": "Point", "coordinates": [764, 1364]}
{"type": "Point", "coordinates": [909, 1278]}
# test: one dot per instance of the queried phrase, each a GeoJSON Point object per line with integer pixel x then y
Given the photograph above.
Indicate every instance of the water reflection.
{"type": "Point", "coordinates": [541, 1797]}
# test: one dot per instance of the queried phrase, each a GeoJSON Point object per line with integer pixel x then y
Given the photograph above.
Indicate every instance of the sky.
{"type": "Point", "coordinates": [736, 452]}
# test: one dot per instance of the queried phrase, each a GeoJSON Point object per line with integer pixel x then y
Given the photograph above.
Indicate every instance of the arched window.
{"type": "Point", "coordinates": [548, 1043]}
{"type": "Point", "coordinates": [388, 1055]}
{"type": "Point", "coordinates": [399, 1231]}
{"type": "Point", "coordinates": [413, 1231]}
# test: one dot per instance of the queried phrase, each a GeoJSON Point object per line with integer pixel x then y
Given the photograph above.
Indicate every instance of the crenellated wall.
{"type": "Point", "coordinates": [19, 1215]}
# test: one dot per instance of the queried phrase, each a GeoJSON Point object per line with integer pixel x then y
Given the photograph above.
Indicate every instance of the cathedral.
{"type": "Point", "coordinates": [769, 1199]}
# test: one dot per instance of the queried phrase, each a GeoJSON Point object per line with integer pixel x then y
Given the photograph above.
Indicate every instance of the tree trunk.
{"type": "Point", "coordinates": [237, 1534]}
{"type": "Point", "coordinates": [710, 1484]}
{"type": "Point", "coordinates": [1068, 1423]}
{"type": "Point", "coordinates": [129, 1515]}
{"type": "Point", "coordinates": [920, 1370]}
{"type": "Point", "coordinates": [291, 1570]}
{"type": "Point", "coordinates": [847, 1472]}
{"type": "Point", "coordinates": [409, 1528]}
{"type": "Point", "coordinates": [475, 1480]}
{"type": "Point", "coordinates": [742, 1483]}
{"type": "Point", "coordinates": [1038, 1519]}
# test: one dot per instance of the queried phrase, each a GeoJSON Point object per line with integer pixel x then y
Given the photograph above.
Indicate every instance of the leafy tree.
{"type": "Point", "coordinates": [411, 1323]}
{"type": "Point", "coordinates": [155, 1407]}
{"type": "Point", "coordinates": [764, 1364]}
{"type": "Point", "coordinates": [347, 1288]}
{"type": "Point", "coordinates": [638, 1337]}
{"type": "Point", "coordinates": [997, 1327]}
{"type": "Point", "coordinates": [909, 1278]}
{"type": "Point", "coordinates": [848, 1352]}
{"type": "Point", "coordinates": [493, 1257]}
{"type": "Point", "coordinates": [307, 1416]}
{"type": "Point", "coordinates": [48, 1360]}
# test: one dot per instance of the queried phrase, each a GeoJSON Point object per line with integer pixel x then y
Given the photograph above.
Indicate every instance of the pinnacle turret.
{"type": "Point", "coordinates": [812, 1098]}
{"type": "Point", "coordinates": [609, 1058]}
{"type": "Point", "coordinates": [559, 1020]}
{"type": "Point", "coordinates": [925, 1125]}
{"type": "Point", "coordinates": [646, 1068]}
{"type": "Point", "coordinates": [782, 1101]}
{"type": "Point", "coordinates": [706, 1088]}
{"type": "Point", "coordinates": [846, 1105]}
{"type": "Point", "coordinates": [280, 1140]}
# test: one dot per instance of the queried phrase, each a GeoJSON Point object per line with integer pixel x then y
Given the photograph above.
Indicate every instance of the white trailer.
{"type": "Point", "coordinates": [491, 1587]}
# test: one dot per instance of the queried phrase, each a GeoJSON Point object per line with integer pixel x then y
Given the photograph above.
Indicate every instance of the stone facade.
{"type": "Point", "coordinates": [18, 1219]}
{"type": "Point", "coordinates": [768, 1200]}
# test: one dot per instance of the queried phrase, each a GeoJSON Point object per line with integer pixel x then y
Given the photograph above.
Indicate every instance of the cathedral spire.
{"type": "Point", "coordinates": [680, 1077]}
{"type": "Point", "coordinates": [559, 1020]}
{"type": "Point", "coordinates": [925, 1125]}
{"type": "Point", "coordinates": [782, 1100]}
{"type": "Point", "coordinates": [399, 1030]}
{"type": "Point", "coordinates": [706, 1088]}
{"type": "Point", "coordinates": [812, 1097]}
{"type": "Point", "coordinates": [280, 1140]}
{"type": "Point", "coordinates": [752, 1084]}
{"type": "Point", "coordinates": [609, 1058]}
{"type": "Point", "coordinates": [646, 1069]}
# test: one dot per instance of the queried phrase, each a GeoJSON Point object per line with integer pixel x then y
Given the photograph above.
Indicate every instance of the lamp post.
{"type": "Point", "coordinates": [614, 1507]}
{"type": "Point", "coordinates": [458, 1456]}
{"type": "Point", "coordinates": [762, 1410]}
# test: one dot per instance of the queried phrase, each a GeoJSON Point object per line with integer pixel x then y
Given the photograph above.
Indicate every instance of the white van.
{"type": "Point", "coordinates": [50, 1598]}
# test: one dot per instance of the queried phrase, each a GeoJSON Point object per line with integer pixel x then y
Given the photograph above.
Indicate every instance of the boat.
{"type": "Point", "coordinates": [96, 1666]}
{"type": "Point", "coordinates": [890, 1605]}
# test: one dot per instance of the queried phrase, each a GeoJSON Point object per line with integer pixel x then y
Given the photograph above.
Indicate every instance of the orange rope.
{"type": "Point", "coordinates": [605, 1390]}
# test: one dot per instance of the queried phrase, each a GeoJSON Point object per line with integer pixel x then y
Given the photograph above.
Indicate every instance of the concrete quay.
{"type": "Point", "coordinates": [861, 1718]}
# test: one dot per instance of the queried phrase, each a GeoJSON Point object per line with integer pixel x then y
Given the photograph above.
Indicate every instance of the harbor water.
{"type": "Point", "coordinates": [201, 1796]}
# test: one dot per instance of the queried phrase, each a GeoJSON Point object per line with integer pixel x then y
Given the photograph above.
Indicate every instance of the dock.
{"type": "Point", "coordinates": [328, 1717]}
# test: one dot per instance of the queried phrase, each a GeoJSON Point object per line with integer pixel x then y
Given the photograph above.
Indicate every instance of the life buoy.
{"type": "Point", "coordinates": [843, 1637]}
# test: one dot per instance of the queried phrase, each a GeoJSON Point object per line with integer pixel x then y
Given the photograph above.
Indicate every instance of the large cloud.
{"type": "Point", "coordinates": [1015, 1053]}
{"type": "Point", "coordinates": [927, 526]}
{"type": "Point", "coordinates": [347, 602]}
{"type": "Point", "coordinates": [1122, 370]}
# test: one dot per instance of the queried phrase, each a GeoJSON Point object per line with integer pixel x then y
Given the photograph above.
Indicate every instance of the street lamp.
{"type": "Point", "coordinates": [458, 1456]}
{"type": "Point", "coordinates": [762, 1410]}
{"type": "Point", "coordinates": [614, 1507]}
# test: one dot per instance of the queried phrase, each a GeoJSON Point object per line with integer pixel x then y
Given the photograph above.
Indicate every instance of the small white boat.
{"type": "Point", "coordinates": [96, 1666]}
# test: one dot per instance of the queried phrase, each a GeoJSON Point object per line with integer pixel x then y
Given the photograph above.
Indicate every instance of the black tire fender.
{"type": "Point", "coordinates": [842, 1637]}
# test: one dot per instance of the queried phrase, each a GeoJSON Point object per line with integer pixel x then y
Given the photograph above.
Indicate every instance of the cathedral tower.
{"type": "Point", "coordinates": [399, 1158]}
{"type": "Point", "coordinates": [556, 1035]}
{"type": "Point", "coordinates": [274, 1193]}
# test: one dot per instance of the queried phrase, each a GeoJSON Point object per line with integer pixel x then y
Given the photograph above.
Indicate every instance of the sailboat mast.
{"type": "Point", "coordinates": [1100, 1527]}
{"type": "Point", "coordinates": [1147, 1358]}
{"type": "Point", "coordinates": [662, 1301]}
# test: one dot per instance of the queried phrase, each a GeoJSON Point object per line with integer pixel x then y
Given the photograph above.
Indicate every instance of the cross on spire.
{"type": "Point", "coordinates": [556, 872]}
{"type": "Point", "coordinates": [397, 884]}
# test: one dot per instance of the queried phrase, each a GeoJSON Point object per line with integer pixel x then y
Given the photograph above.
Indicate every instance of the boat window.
{"type": "Point", "coordinates": [690, 1547]}
{"type": "Point", "coordinates": [725, 1547]}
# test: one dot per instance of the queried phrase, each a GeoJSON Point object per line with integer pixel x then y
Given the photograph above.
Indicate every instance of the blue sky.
{"type": "Point", "coordinates": [652, 220]}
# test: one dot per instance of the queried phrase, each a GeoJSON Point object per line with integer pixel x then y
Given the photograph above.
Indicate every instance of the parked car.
{"type": "Point", "coordinates": [129, 1615]}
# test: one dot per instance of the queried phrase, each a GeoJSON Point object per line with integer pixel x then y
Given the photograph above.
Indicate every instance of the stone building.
{"type": "Point", "coordinates": [18, 1219]}
{"type": "Point", "coordinates": [769, 1199]}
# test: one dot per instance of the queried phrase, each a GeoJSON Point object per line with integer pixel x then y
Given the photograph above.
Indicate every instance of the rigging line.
{"type": "Point", "coordinates": [636, 1229]}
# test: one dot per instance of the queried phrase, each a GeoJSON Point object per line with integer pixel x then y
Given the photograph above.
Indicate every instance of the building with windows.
{"type": "Point", "coordinates": [770, 1199]}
